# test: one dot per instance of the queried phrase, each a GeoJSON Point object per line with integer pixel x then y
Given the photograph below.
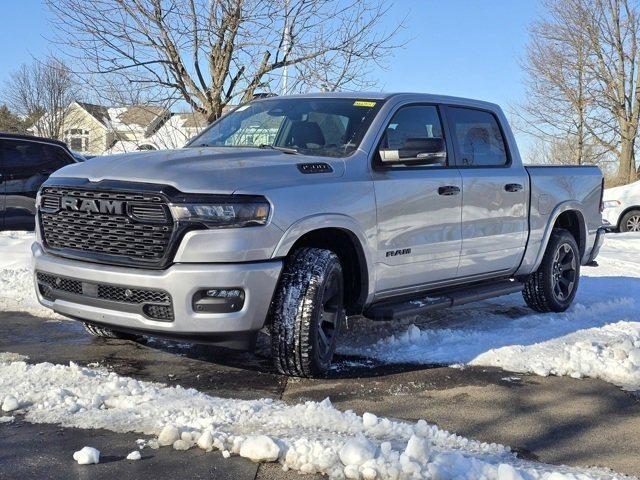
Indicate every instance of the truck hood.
{"type": "Point", "coordinates": [204, 169]}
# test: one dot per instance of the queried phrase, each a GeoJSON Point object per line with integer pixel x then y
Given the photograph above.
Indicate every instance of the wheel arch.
{"type": "Point", "coordinates": [342, 235]}
{"type": "Point", "coordinates": [567, 214]}
{"type": "Point", "coordinates": [624, 212]}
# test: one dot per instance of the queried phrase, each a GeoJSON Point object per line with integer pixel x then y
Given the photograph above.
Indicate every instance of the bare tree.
{"type": "Point", "coordinates": [613, 31]}
{"type": "Point", "coordinates": [211, 53]}
{"type": "Point", "coordinates": [583, 78]}
{"type": "Point", "coordinates": [40, 92]}
{"type": "Point", "coordinates": [559, 101]}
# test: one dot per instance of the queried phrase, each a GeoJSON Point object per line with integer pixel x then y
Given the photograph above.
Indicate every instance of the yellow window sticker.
{"type": "Point", "coordinates": [364, 103]}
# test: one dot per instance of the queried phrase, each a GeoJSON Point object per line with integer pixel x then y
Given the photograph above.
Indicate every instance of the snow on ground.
{"type": "Point", "coordinates": [599, 336]}
{"type": "Point", "coordinates": [16, 280]}
{"type": "Point", "coordinates": [309, 437]}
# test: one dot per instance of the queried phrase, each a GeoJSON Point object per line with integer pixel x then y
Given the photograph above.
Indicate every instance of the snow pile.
{"type": "Point", "coordinates": [87, 456]}
{"type": "Point", "coordinates": [311, 437]}
{"type": "Point", "coordinates": [17, 291]}
{"type": "Point", "coordinates": [599, 336]}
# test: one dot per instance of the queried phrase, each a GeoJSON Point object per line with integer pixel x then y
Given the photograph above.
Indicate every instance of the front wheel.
{"type": "Point", "coordinates": [307, 313]}
{"type": "Point", "coordinates": [553, 286]}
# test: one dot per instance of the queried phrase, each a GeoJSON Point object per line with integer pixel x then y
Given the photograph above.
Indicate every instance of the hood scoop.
{"type": "Point", "coordinates": [317, 167]}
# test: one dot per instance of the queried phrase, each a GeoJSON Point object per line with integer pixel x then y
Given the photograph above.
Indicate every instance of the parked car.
{"type": "Point", "coordinates": [25, 163]}
{"type": "Point", "coordinates": [622, 208]}
{"type": "Point", "coordinates": [292, 212]}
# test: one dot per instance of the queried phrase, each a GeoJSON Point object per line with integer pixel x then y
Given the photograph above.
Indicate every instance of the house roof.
{"type": "Point", "coordinates": [192, 120]}
{"type": "Point", "coordinates": [99, 112]}
{"type": "Point", "coordinates": [142, 116]}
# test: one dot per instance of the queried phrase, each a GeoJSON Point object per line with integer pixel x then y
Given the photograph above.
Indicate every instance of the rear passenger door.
{"type": "Point", "coordinates": [494, 194]}
{"type": "Point", "coordinates": [418, 203]}
{"type": "Point", "coordinates": [27, 164]}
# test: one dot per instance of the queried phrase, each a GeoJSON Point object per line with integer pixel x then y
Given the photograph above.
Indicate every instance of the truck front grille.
{"type": "Point", "coordinates": [109, 227]}
{"type": "Point", "coordinates": [154, 304]}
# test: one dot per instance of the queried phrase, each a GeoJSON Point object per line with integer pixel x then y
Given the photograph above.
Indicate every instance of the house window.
{"type": "Point", "coordinates": [77, 139]}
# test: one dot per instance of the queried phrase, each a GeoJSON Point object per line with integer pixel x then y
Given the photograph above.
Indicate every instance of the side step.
{"type": "Point", "coordinates": [395, 309]}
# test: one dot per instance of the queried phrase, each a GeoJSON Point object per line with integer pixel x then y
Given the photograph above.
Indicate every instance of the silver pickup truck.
{"type": "Point", "coordinates": [291, 212]}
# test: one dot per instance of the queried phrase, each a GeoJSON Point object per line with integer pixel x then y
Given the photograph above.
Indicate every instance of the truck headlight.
{"type": "Point", "coordinates": [224, 214]}
{"type": "Point", "coordinates": [611, 203]}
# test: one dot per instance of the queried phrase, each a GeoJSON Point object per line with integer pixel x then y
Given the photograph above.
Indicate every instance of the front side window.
{"type": "Point", "coordinates": [330, 127]}
{"type": "Point", "coordinates": [477, 137]}
{"type": "Point", "coordinates": [413, 137]}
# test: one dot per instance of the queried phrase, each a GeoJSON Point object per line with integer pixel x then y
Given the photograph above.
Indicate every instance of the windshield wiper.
{"type": "Point", "coordinates": [266, 146]}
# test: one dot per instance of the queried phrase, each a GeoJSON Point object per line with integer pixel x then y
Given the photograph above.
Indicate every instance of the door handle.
{"type": "Point", "coordinates": [448, 190]}
{"type": "Point", "coordinates": [513, 187]}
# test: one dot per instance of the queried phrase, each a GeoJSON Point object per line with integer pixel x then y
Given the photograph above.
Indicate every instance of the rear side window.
{"type": "Point", "coordinates": [30, 158]}
{"type": "Point", "coordinates": [477, 137]}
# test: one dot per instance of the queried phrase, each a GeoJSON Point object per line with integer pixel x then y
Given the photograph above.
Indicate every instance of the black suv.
{"type": "Point", "coordinates": [25, 163]}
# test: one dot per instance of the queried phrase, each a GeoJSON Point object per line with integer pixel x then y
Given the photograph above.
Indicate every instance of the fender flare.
{"type": "Point", "coordinates": [566, 206]}
{"type": "Point", "coordinates": [330, 220]}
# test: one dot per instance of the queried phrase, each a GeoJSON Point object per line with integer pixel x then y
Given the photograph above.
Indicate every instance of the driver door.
{"type": "Point", "coordinates": [419, 204]}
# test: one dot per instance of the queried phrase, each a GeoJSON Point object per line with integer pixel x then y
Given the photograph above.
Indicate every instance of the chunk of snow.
{"type": "Point", "coordinates": [10, 403]}
{"type": "Point", "coordinates": [87, 456]}
{"type": "Point", "coordinates": [356, 451]}
{"type": "Point", "coordinates": [168, 436]}
{"type": "Point", "coordinates": [369, 419]}
{"type": "Point", "coordinates": [205, 442]}
{"type": "Point", "coordinates": [135, 455]}
{"type": "Point", "coordinates": [260, 448]}
{"type": "Point", "coordinates": [6, 419]}
{"type": "Point", "coordinates": [182, 445]}
{"type": "Point", "coordinates": [418, 449]}
{"type": "Point", "coordinates": [507, 472]}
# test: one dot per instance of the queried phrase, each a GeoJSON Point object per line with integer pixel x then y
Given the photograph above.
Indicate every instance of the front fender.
{"type": "Point", "coordinates": [332, 220]}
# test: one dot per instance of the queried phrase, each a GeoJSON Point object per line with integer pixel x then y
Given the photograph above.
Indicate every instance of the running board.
{"type": "Point", "coordinates": [395, 309]}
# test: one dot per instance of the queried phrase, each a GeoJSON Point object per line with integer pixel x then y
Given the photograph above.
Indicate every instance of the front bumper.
{"type": "Point", "coordinates": [180, 281]}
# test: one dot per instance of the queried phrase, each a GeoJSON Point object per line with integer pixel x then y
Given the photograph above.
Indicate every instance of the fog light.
{"type": "Point", "coordinates": [224, 293]}
{"type": "Point", "coordinates": [218, 300]}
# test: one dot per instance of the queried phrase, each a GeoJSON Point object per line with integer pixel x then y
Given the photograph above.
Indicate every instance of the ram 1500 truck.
{"type": "Point", "coordinates": [291, 212]}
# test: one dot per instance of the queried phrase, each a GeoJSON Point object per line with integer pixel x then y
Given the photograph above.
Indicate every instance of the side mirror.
{"type": "Point", "coordinates": [417, 151]}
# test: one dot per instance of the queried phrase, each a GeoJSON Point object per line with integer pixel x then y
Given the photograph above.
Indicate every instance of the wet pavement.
{"type": "Point", "coordinates": [554, 420]}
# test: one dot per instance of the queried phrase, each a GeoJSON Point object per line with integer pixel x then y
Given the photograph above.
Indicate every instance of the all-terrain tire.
{"type": "Point", "coordinates": [103, 332]}
{"type": "Point", "coordinates": [630, 221]}
{"type": "Point", "coordinates": [310, 298]}
{"type": "Point", "coordinates": [541, 291]}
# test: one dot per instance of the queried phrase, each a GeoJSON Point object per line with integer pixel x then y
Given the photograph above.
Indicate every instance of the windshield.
{"type": "Point", "coordinates": [330, 127]}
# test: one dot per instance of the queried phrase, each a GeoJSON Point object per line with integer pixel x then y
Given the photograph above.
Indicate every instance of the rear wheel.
{"type": "Point", "coordinates": [307, 313]}
{"type": "Point", "coordinates": [103, 332]}
{"type": "Point", "coordinates": [553, 286]}
{"type": "Point", "coordinates": [630, 221]}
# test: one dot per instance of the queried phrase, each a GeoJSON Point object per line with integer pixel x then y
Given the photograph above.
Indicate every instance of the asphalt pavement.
{"type": "Point", "coordinates": [556, 420]}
